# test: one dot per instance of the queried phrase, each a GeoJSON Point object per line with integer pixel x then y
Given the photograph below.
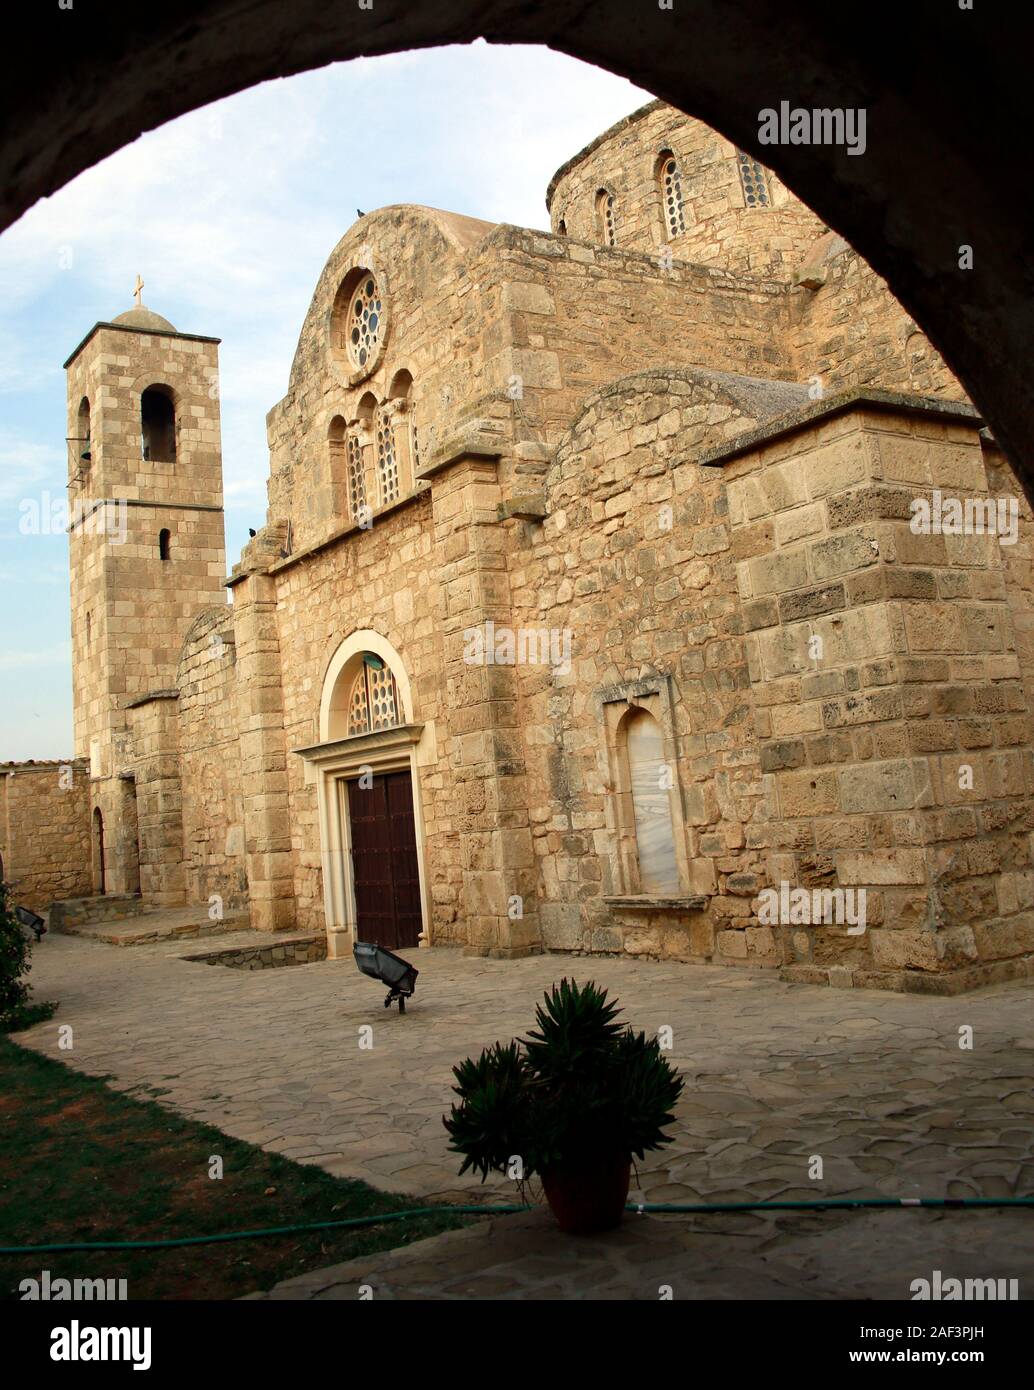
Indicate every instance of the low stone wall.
{"type": "Point", "coordinates": [45, 830]}
{"type": "Point", "coordinates": [82, 912]}
{"type": "Point", "coordinates": [295, 950]}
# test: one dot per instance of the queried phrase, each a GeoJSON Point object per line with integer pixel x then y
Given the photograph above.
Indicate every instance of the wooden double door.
{"type": "Point", "coordinates": [385, 872]}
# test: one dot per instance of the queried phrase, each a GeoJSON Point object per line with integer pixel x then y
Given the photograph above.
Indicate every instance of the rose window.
{"type": "Point", "coordinates": [364, 321]}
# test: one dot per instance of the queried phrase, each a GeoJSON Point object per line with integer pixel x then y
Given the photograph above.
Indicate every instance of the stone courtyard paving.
{"type": "Point", "coordinates": [875, 1084]}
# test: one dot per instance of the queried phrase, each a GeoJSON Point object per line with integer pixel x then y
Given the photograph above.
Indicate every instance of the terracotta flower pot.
{"type": "Point", "coordinates": [588, 1196]}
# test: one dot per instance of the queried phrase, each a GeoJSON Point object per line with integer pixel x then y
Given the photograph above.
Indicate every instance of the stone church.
{"type": "Point", "coordinates": [612, 590]}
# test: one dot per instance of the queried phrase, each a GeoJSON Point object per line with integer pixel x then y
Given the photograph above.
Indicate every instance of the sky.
{"type": "Point", "coordinates": [229, 214]}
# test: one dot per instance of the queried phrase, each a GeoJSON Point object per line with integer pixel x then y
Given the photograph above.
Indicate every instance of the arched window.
{"type": "Point", "coordinates": [158, 425]}
{"type": "Point", "coordinates": [373, 701]}
{"type": "Point", "coordinates": [407, 446]}
{"type": "Point", "coordinates": [83, 431]}
{"type": "Point", "coordinates": [387, 459]}
{"type": "Point", "coordinates": [754, 181]}
{"type": "Point", "coordinates": [561, 227]}
{"type": "Point", "coordinates": [649, 782]}
{"type": "Point", "coordinates": [357, 507]}
{"type": "Point", "coordinates": [164, 542]}
{"type": "Point", "coordinates": [89, 629]}
{"type": "Point", "coordinates": [339, 447]}
{"type": "Point", "coordinates": [98, 851]}
{"type": "Point", "coordinates": [669, 179]}
{"type": "Point", "coordinates": [605, 217]}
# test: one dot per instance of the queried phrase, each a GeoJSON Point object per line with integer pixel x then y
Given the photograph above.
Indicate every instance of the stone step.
{"type": "Point", "coordinates": [68, 913]}
{"type": "Point", "coordinates": [153, 925]}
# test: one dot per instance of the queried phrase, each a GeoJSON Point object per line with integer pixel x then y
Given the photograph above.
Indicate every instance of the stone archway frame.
{"type": "Point", "coordinates": [331, 762]}
{"type": "Point", "coordinates": [652, 695]}
{"type": "Point", "coordinates": [363, 640]}
{"type": "Point", "coordinates": [938, 172]}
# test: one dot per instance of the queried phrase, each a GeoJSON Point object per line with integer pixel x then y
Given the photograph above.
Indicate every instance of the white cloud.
{"type": "Point", "coordinates": [26, 659]}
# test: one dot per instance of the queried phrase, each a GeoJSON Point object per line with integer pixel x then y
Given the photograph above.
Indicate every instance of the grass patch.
{"type": "Point", "coordinates": [80, 1162]}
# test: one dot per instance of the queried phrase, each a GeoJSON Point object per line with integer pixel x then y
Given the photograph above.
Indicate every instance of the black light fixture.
{"type": "Point", "coordinates": [30, 922]}
{"type": "Point", "coordinates": [384, 965]}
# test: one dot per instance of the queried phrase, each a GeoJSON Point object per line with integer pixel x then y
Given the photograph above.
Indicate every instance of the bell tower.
{"type": "Point", "coordinates": [146, 554]}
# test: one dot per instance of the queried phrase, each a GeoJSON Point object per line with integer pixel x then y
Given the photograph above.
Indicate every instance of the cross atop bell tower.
{"type": "Point", "coordinates": [138, 290]}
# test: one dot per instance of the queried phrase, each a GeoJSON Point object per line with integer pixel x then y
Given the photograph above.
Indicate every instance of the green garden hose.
{"type": "Point", "coordinates": [640, 1208]}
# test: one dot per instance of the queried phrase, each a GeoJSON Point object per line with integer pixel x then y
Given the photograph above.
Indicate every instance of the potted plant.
{"type": "Point", "coordinates": [573, 1102]}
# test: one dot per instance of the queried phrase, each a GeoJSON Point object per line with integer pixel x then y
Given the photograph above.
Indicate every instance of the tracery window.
{"type": "Point", "coordinates": [373, 702]}
{"type": "Point", "coordinates": [387, 461]}
{"type": "Point", "coordinates": [356, 478]}
{"type": "Point", "coordinates": [754, 181]}
{"type": "Point", "coordinates": [605, 217]}
{"type": "Point", "coordinates": [670, 177]}
{"type": "Point", "coordinates": [364, 321]}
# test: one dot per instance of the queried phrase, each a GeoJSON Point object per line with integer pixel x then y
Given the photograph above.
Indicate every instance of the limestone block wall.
{"type": "Point", "coordinates": [435, 326]}
{"type": "Point", "coordinates": [130, 610]}
{"type": "Point", "coordinates": [210, 770]}
{"type": "Point", "coordinates": [112, 368]}
{"type": "Point", "coordinates": [847, 329]}
{"type": "Point", "coordinates": [575, 317]}
{"type": "Point", "coordinates": [45, 831]}
{"type": "Point", "coordinates": [477, 313]}
{"type": "Point", "coordinates": [894, 727]}
{"type": "Point", "coordinates": [1018, 560]}
{"type": "Point", "coordinates": [634, 566]}
{"type": "Point", "coordinates": [721, 229]}
{"type": "Point", "coordinates": [157, 781]}
{"type": "Point", "coordinates": [385, 579]}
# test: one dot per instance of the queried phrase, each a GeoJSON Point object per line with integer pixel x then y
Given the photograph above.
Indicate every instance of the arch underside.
{"type": "Point", "coordinates": [941, 168]}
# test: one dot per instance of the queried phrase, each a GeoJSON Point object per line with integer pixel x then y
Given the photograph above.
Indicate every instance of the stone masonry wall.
{"type": "Point", "coordinates": [721, 230]}
{"type": "Point", "coordinates": [213, 811]}
{"type": "Point", "coordinates": [45, 831]}
{"type": "Point", "coordinates": [386, 579]}
{"type": "Point", "coordinates": [479, 313]}
{"type": "Point", "coordinates": [847, 329]}
{"type": "Point", "coordinates": [634, 561]}
{"type": "Point", "coordinates": [894, 727]}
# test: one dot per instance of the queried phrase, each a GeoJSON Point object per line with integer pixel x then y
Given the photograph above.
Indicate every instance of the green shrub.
{"type": "Point", "coordinates": [15, 951]}
{"type": "Point", "coordinates": [579, 1087]}
{"type": "Point", "coordinates": [14, 961]}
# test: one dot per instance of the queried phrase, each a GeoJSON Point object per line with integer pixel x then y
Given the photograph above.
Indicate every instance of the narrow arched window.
{"type": "Point", "coordinates": [407, 443]}
{"type": "Point", "coordinates": [605, 223]}
{"type": "Point", "coordinates": [339, 446]}
{"type": "Point", "coordinates": [373, 702]}
{"type": "Point", "coordinates": [669, 180]}
{"type": "Point", "coordinates": [158, 425]}
{"type": "Point", "coordinates": [164, 541]}
{"type": "Point", "coordinates": [83, 432]}
{"type": "Point", "coordinates": [649, 777]}
{"type": "Point", "coordinates": [754, 181]}
{"type": "Point", "coordinates": [561, 227]}
{"type": "Point", "coordinates": [356, 479]}
{"type": "Point", "coordinates": [387, 459]}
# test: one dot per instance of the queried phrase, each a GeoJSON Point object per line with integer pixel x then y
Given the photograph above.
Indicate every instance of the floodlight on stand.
{"type": "Point", "coordinates": [384, 965]}
{"type": "Point", "coordinates": [30, 920]}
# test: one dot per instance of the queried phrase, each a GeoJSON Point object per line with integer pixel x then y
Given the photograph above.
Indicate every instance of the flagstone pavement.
{"type": "Point", "coordinates": [875, 1085]}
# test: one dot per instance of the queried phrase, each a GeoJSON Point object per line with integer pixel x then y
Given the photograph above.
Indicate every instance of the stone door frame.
{"type": "Point", "coordinates": [332, 764]}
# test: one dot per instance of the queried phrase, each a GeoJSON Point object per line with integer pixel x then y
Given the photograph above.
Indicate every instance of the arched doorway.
{"type": "Point", "coordinates": [98, 851]}
{"type": "Point", "coordinates": [371, 826]}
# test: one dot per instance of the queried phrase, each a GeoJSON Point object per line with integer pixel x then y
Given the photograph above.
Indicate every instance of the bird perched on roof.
{"type": "Point", "coordinates": [359, 212]}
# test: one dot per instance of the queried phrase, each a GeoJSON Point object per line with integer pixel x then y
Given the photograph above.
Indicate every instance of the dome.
{"type": "Point", "coordinates": [142, 317]}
